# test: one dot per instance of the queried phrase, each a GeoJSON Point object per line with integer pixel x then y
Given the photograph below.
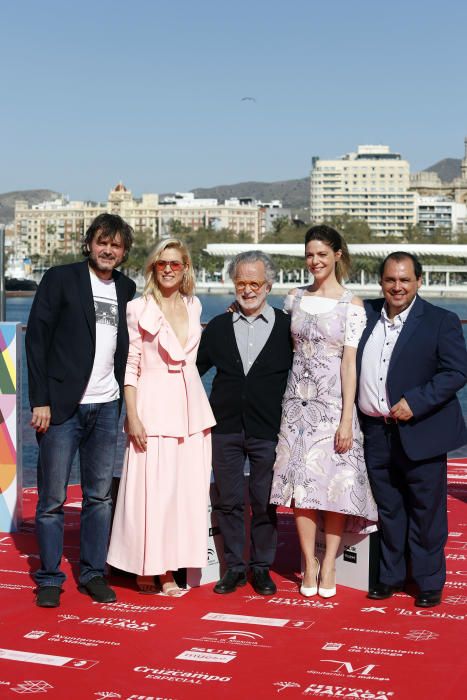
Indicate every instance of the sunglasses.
{"type": "Point", "coordinates": [175, 265]}
{"type": "Point", "coordinates": [241, 285]}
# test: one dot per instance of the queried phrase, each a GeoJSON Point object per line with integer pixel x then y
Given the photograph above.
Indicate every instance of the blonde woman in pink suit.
{"type": "Point", "coordinates": [161, 515]}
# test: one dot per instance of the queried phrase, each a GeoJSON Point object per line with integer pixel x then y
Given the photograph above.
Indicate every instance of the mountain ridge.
{"type": "Point", "coordinates": [294, 194]}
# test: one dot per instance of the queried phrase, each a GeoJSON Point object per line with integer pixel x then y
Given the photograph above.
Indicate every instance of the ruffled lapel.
{"type": "Point", "coordinates": [154, 322]}
{"type": "Point", "coordinates": [151, 318]}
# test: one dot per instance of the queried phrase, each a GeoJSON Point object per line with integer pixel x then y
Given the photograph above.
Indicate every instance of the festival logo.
{"type": "Point", "coordinates": [283, 685]}
{"type": "Point", "coordinates": [455, 584]}
{"type": "Point", "coordinates": [122, 623]}
{"type": "Point", "coordinates": [299, 602]}
{"type": "Point", "coordinates": [421, 635]}
{"type": "Point", "coordinates": [375, 609]}
{"type": "Point", "coordinates": [29, 687]}
{"type": "Point", "coordinates": [113, 622]}
{"type": "Point", "coordinates": [219, 656]}
{"type": "Point", "coordinates": [455, 600]}
{"type": "Point", "coordinates": [338, 691]}
{"type": "Point", "coordinates": [288, 586]}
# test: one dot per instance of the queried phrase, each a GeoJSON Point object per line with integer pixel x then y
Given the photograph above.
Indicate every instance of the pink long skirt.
{"type": "Point", "coordinates": [161, 516]}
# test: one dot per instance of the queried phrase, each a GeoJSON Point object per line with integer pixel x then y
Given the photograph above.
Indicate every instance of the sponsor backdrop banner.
{"type": "Point", "coordinates": [201, 645]}
{"type": "Point", "coordinates": [10, 426]}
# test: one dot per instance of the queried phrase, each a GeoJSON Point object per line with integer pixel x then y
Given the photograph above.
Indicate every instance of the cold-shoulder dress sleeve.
{"type": "Point", "coordinates": [288, 304]}
{"type": "Point", "coordinates": [354, 325]}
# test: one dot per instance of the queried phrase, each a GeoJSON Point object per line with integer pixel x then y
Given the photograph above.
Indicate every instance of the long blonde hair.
{"type": "Point", "coordinates": [187, 286]}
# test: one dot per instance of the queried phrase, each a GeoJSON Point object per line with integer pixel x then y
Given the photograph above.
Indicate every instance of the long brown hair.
{"type": "Point", "coordinates": [332, 238]}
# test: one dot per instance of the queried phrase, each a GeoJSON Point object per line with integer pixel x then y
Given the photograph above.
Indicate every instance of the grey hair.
{"type": "Point", "coordinates": [252, 256]}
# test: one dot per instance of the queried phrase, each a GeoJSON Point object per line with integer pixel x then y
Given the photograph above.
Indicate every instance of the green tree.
{"type": "Point", "coordinates": [353, 230]}
{"type": "Point", "coordinates": [143, 242]}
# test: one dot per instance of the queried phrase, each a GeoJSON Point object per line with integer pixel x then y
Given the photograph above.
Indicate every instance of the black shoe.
{"type": "Point", "coordinates": [230, 581]}
{"type": "Point", "coordinates": [382, 591]}
{"type": "Point", "coordinates": [262, 582]}
{"type": "Point", "coordinates": [48, 596]}
{"type": "Point", "coordinates": [428, 599]}
{"type": "Point", "coordinates": [99, 590]}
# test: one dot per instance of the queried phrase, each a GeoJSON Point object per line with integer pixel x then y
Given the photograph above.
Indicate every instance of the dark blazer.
{"type": "Point", "coordinates": [428, 366]}
{"type": "Point", "coordinates": [61, 337]}
{"type": "Point", "coordinates": [251, 402]}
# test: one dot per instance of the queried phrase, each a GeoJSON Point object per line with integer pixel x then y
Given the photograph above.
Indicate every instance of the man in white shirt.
{"type": "Point", "coordinates": [76, 348]}
{"type": "Point", "coordinates": [412, 360]}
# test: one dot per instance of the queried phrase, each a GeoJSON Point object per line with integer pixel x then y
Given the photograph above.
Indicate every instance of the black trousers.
{"type": "Point", "coordinates": [229, 453]}
{"type": "Point", "coordinates": [412, 506]}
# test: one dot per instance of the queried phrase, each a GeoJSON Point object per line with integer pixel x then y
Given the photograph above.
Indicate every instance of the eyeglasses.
{"type": "Point", "coordinates": [175, 265]}
{"type": "Point", "coordinates": [241, 285]}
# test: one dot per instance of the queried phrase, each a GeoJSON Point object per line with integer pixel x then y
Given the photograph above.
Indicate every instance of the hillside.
{"type": "Point", "coordinates": [447, 168]}
{"type": "Point", "coordinates": [294, 194]}
{"type": "Point", "coordinates": [8, 199]}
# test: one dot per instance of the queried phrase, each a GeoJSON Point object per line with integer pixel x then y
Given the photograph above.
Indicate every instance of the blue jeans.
{"type": "Point", "coordinates": [93, 430]}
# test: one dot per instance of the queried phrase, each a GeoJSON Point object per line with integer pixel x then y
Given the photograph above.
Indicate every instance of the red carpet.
{"type": "Point", "coordinates": [203, 645]}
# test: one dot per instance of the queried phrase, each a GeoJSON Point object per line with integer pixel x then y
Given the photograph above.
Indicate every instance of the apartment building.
{"type": "Point", "coordinates": [435, 214]}
{"type": "Point", "coordinates": [237, 215]}
{"type": "Point", "coordinates": [59, 225]}
{"type": "Point", "coordinates": [371, 184]}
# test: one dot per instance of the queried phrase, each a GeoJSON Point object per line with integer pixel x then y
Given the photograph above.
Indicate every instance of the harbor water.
{"type": "Point", "coordinates": [17, 309]}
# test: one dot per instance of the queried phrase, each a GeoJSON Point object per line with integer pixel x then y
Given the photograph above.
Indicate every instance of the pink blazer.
{"type": "Point", "coordinates": [170, 397]}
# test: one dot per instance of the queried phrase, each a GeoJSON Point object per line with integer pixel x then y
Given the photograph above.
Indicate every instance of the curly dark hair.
{"type": "Point", "coordinates": [108, 226]}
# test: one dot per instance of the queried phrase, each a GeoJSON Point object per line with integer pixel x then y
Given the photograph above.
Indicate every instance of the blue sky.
{"type": "Point", "coordinates": [150, 92]}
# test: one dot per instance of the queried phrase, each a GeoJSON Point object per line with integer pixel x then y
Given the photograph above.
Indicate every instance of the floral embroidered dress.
{"type": "Point", "coordinates": [307, 468]}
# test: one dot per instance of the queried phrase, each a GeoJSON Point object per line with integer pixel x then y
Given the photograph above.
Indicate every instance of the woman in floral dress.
{"type": "Point", "coordinates": [319, 464]}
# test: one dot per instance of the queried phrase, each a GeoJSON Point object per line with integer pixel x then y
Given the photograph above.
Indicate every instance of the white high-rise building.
{"type": "Point", "coordinates": [371, 185]}
{"type": "Point", "coordinates": [440, 214]}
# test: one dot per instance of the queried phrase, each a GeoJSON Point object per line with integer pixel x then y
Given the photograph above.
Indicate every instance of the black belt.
{"type": "Point", "coordinates": [387, 420]}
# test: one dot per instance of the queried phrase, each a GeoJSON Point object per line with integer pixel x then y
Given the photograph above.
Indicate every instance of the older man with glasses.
{"type": "Point", "coordinates": [251, 350]}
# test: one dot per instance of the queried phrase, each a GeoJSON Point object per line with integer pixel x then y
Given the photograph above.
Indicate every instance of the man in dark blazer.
{"type": "Point", "coordinates": [251, 350]}
{"type": "Point", "coordinates": [411, 360]}
{"type": "Point", "coordinates": [76, 348]}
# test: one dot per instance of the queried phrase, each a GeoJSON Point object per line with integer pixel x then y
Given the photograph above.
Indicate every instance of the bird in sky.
{"type": "Point", "coordinates": [248, 99]}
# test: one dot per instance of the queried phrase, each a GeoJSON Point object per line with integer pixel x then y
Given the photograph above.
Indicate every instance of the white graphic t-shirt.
{"type": "Point", "coordinates": [102, 385]}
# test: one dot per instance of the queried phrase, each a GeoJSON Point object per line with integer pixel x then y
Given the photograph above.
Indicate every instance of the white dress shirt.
{"type": "Point", "coordinates": [373, 393]}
